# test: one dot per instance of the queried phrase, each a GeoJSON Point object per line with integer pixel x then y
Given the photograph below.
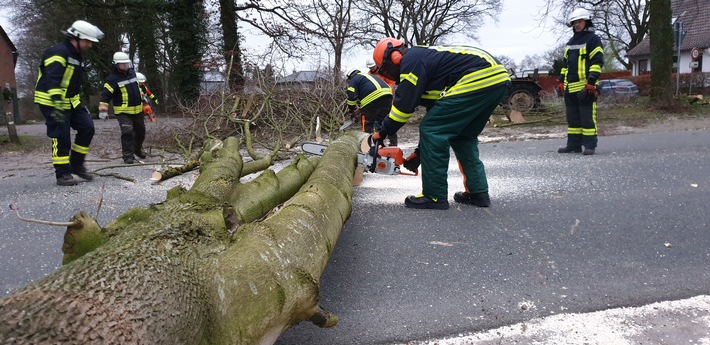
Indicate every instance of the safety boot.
{"type": "Point", "coordinates": [567, 149]}
{"type": "Point", "coordinates": [66, 180]}
{"type": "Point", "coordinates": [588, 152]}
{"type": "Point", "coordinates": [140, 154]}
{"type": "Point", "coordinates": [80, 170]}
{"type": "Point", "coordinates": [423, 202]}
{"type": "Point", "coordinates": [477, 199]}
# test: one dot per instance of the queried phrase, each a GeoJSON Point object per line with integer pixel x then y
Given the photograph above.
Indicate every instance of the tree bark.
{"type": "Point", "coordinates": [661, 39]}
{"type": "Point", "coordinates": [173, 274]}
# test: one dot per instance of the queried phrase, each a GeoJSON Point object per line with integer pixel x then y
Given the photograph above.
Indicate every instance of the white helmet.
{"type": "Point", "coordinates": [140, 77]}
{"type": "Point", "coordinates": [85, 31]}
{"type": "Point", "coordinates": [120, 57]}
{"type": "Point", "coordinates": [578, 14]}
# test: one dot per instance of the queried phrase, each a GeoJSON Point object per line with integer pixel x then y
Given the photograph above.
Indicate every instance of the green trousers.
{"type": "Point", "coordinates": [456, 123]}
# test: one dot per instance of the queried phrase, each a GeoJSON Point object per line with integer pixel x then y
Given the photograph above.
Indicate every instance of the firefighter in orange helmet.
{"type": "Point", "coordinates": [460, 86]}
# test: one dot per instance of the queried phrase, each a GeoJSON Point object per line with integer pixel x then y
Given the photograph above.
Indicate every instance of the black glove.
{"type": "Point", "coordinates": [413, 161]}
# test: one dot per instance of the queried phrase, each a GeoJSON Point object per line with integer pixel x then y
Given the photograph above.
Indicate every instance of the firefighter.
{"type": "Point", "coordinates": [460, 86]}
{"type": "Point", "coordinates": [61, 74]}
{"type": "Point", "coordinates": [122, 90]}
{"type": "Point", "coordinates": [145, 91]}
{"type": "Point", "coordinates": [582, 65]}
{"type": "Point", "coordinates": [146, 96]}
{"type": "Point", "coordinates": [371, 98]}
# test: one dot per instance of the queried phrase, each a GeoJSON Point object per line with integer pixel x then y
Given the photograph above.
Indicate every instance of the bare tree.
{"type": "Point", "coordinates": [427, 22]}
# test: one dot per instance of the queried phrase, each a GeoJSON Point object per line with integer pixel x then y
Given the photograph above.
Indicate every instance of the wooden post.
{"type": "Point", "coordinates": [8, 95]}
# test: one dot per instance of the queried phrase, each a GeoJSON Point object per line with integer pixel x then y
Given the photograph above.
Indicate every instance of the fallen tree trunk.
{"type": "Point", "coordinates": [173, 274]}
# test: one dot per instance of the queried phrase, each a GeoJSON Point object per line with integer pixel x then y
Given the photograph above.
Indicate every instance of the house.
{"type": "Point", "coordinates": [695, 18]}
{"type": "Point", "coordinates": [8, 59]}
{"type": "Point", "coordinates": [301, 77]}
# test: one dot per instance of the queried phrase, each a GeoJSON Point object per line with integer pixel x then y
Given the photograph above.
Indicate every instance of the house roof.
{"type": "Point", "coordinates": [696, 22]}
{"type": "Point", "coordinates": [300, 77]}
{"type": "Point", "coordinates": [6, 38]}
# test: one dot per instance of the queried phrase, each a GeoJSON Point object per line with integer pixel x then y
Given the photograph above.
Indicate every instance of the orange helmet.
{"type": "Point", "coordinates": [388, 50]}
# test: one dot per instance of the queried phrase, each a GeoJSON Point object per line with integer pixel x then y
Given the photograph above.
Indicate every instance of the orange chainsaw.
{"type": "Point", "coordinates": [387, 161]}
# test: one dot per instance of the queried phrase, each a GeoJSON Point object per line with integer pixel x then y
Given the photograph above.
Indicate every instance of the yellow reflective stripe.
{"type": "Point", "coordinates": [432, 94]}
{"type": "Point", "coordinates": [56, 58]}
{"type": "Point", "coordinates": [45, 98]}
{"type": "Point", "coordinates": [134, 109]}
{"type": "Point", "coordinates": [589, 131]}
{"type": "Point", "coordinates": [108, 87]}
{"type": "Point", "coordinates": [68, 73]}
{"type": "Point", "coordinates": [473, 85]}
{"type": "Point", "coordinates": [375, 95]}
{"type": "Point", "coordinates": [350, 89]}
{"type": "Point", "coordinates": [410, 77]}
{"type": "Point", "coordinates": [574, 130]}
{"type": "Point", "coordinates": [467, 51]}
{"type": "Point", "coordinates": [80, 149]}
{"type": "Point", "coordinates": [399, 116]}
{"type": "Point", "coordinates": [59, 160]}
{"type": "Point", "coordinates": [124, 96]}
{"type": "Point", "coordinates": [55, 92]}
{"type": "Point", "coordinates": [353, 103]}
{"type": "Point", "coordinates": [576, 86]}
{"type": "Point", "coordinates": [596, 51]}
{"type": "Point", "coordinates": [595, 68]}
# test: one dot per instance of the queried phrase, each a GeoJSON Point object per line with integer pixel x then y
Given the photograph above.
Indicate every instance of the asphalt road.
{"type": "Point", "coordinates": [566, 234]}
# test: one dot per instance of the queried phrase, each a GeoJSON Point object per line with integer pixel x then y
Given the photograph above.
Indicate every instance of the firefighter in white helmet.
{"type": "Point", "coordinates": [146, 96]}
{"type": "Point", "coordinates": [121, 89]}
{"type": "Point", "coordinates": [61, 74]}
{"type": "Point", "coordinates": [582, 66]}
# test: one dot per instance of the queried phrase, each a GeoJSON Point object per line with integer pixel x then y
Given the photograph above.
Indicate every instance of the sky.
{"type": "Point", "coordinates": [518, 33]}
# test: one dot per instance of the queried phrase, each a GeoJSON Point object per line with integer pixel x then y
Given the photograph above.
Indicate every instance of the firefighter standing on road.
{"type": "Point", "coordinates": [460, 86]}
{"type": "Point", "coordinates": [373, 97]}
{"type": "Point", "coordinates": [122, 90]}
{"type": "Point", "coordinates": [61, 74]}
{"type": "Point", "coordinates": [582, 65]}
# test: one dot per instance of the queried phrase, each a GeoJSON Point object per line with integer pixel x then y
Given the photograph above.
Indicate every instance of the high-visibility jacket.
{"type": "Point", "coordinates": [428, 74]}
{"type": "Point", "coordinates": [60, 76]}
{"type": "Point", "coordinates": [582, 61]}
{"type": "Point", "coordinates": [365, 88]}
{"type": "Point", "coordinates": [122, 90]}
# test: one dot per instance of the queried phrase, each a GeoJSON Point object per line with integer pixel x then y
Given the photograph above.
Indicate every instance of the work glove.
{"type": "Point", "coordinates": [412, 161]}
{"type": "Point", "coordinates": [58, 112]}
{"type": "Point", "coordinates": [103, 115]}
{"type": "Point", "coordinates": [588, 93]}
{"type": "Point", "coordinates": [561, 88]}
{"type": "Point", "coordinates": [375, 141]}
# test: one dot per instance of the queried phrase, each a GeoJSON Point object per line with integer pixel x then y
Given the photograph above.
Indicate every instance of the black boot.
{"type": "Point", "coordinates": [567, 149]}
{"type": "Point", "coordinates": [76, 162]}
{"type": "Point", "coordinates": [66, 180]}
{"type": "Point", "coordinates": [588, 152]}
{"type": "Point", "coordinates": [477, 199]}
{"type": "Point", "coordinates": [80, 170]}
{"type": "Point", "coordinates": [423, 202]}
{"type": "Point", "coordinates": [140, 154]}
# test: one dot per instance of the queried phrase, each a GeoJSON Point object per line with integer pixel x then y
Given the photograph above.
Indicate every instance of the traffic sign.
{"type": "Point", "coordinates": [695, 54]}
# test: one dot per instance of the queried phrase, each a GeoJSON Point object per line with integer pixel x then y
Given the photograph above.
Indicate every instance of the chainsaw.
{"type": "Point", "coordinates": [387, 161]}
